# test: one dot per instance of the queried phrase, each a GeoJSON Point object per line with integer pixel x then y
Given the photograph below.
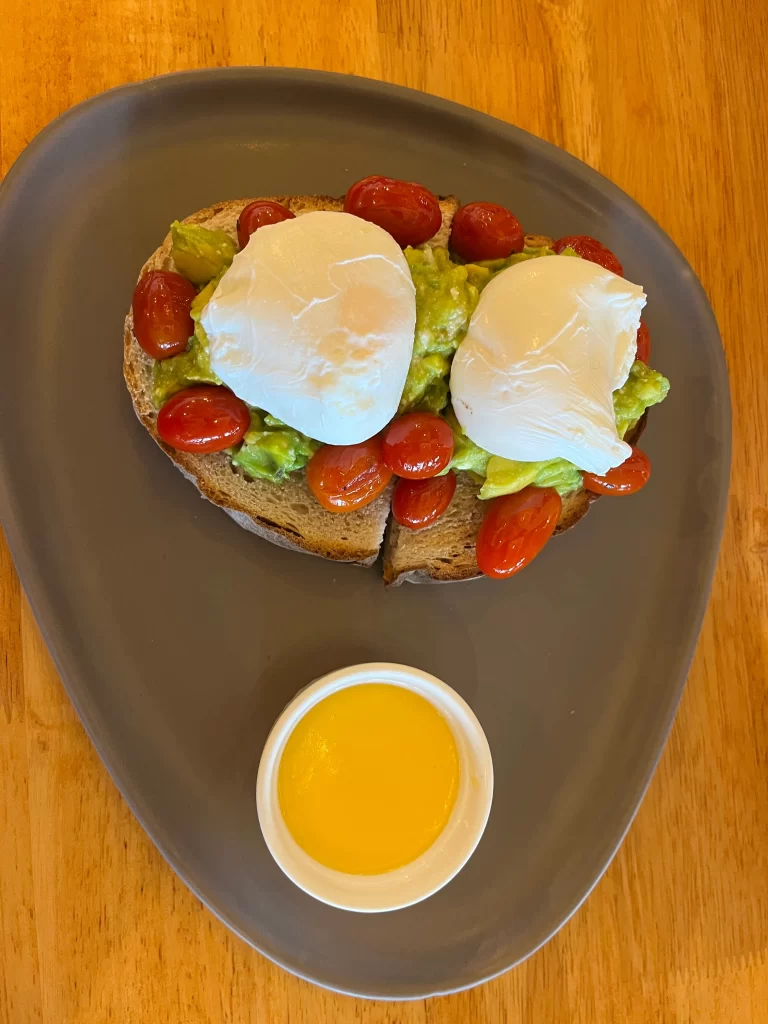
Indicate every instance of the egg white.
{"type": "Point", "coordinates": [550, 341]}
{"type": "Point", "coordinates": [314, 323]}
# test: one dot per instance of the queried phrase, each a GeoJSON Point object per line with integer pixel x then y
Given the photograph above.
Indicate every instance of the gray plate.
{"type": "Point", "coordinates": [180, 637]}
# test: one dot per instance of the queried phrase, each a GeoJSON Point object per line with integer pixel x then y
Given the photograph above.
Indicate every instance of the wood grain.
{"type": "Point", "coordinates": [669, 100]}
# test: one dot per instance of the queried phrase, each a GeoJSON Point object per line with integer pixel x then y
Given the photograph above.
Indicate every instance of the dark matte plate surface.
{"type": "Point", "coordinates": [180, 636]}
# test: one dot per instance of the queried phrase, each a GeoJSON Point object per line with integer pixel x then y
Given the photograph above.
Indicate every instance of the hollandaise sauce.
{"type": "Point", "coordinates": [368, 778]}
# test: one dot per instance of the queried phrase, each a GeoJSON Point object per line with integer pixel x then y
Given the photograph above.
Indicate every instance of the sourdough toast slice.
{"type": "Point", "coordinates": [288, 514]}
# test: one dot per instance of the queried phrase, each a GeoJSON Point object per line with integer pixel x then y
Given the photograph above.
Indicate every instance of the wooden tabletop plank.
{"type": "Point", "coordinates": [667, 99]}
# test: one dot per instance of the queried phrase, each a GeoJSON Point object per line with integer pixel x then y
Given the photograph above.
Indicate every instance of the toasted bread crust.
{"type": "Point", "coordinates": [287, 515]}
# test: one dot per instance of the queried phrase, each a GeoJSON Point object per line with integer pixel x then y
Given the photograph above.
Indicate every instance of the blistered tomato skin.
{"type": "Point", "coordinates": [628, 478]}
{"type": "Point", "coordinates": [485, 231]}
{"type": "Point", "coordinates": [256, 215]}
{"type": "Point", "coordinates": [417, 445]}
{"type": "Point", "coordinates": [514, 530]}
{"type": "Point", "coordinates": [409, 212]}
{"type": "Point", "coordinates": [418, 503]}
{"type": "Point", "coordinates": [347, 477]}
{"type": "Point", "coordinates": [643, 342]}
{"type": "Point", "coordinates": [204, 418]}
{"type": "Point", "coordinates": [161, 320]}
{"type": "Point", "coordinates": [590, 249]}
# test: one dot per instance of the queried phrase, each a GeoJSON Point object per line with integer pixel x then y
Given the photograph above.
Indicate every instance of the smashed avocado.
{"type": "Point", "coordinates": [271, 450]}
{"type": "Point", "coordinates": [643, 388]}
{"type": "Point", "coordinates": [435, 398]}
{"type": "Point", "coordinates": [199, 253]}
{"type": "Point", "coordinates": [204, 296]}
{"type": "Point", "coordinates": [179, 372]}
{"type": "Point", "coordinates": [445, 301]}
{"type": "Point", "coordinates": [505, 476]}
{"type": "Point", "coordinates": [423, 388]}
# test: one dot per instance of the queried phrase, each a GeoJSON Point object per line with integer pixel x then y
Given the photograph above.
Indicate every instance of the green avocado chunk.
{"type": "Point", "coordinates": [435, 398]}
{"type": "Point", "coordinates": [204, 296]}
{"type": "Point", "coordinates": [270, 450]}
{"type": "Point", "coordinates": [179, 372]}
{"type": "Point", "coordinates": [199, 253]}
{"type": "Point", "coordinates": [643, 388]}
{"type": "Point", "coordinates": [505, 476]}
{"type": "Point", "coordinates": [425, 375]}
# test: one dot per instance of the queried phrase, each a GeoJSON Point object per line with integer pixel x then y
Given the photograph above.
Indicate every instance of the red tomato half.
{"type": "Point", "coordinates": [592, 250]}
{"type": "Point", "coordinates": [346, 477]}
{"type": "Point", "coordinates": [203, 418]}
{"type": "Point", "coordinates": [409, 212]}
{"type": "Point", "coordinates": [515, 528]}
{"type": "Point", "coordinates": [627, 478]}
{"type": "Point", "coordinates": [417, 503]}
{"type": "Point", "coordinates": [417, 445]}
{"type": "Point", "coordinates": [256, 215]}
{"type": "Point", "coordinates": [643, 342]}
{"type": "Point", "coordinates": [486, 231]}
{"type": "Point", "coordinates": [161, 320]}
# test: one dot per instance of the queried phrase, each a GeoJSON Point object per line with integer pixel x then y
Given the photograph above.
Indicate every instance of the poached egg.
{"type": "Point", "coordinates": [550, 341]}
{"type": "Point", "coordinates": [314, 323]}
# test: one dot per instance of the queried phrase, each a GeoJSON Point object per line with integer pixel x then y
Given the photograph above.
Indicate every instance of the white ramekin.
{"type": "Point", "coordinates": [450, 851]}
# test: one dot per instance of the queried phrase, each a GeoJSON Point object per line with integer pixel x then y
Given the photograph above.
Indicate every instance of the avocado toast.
{"type": "Point", "coordinates": [263, 485]}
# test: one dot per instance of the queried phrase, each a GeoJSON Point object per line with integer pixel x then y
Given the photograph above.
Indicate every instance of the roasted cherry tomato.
{"type": "Point", "coordinates": [409, 212]}
{"type": "Point", "coordinates": [203, 418]}
{"type": "Point", "coordinates": [486, 231]}
{"type": "Point", "coordinates": [627, 478]}
{"type": "Point", "coordinates": [592, 250]}
{"type": "Point", "coordinates": [417, 445]}
{"type": "Point", "coordinates": [515, 528]}
{"type": "Point", "coordinates": [643, 342]}
{"type": "Point", "coordinates": [417, 503]}
{"type": "Point", "coordinates": [346, 477]}
{"type": "Point", "coordinates": [161, 320]}
{"type": "Point", "coordinates": [256, 215]}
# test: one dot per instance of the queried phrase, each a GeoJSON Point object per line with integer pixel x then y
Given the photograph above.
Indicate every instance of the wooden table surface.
{"type": "Point", "coordinates": [669, 100]}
